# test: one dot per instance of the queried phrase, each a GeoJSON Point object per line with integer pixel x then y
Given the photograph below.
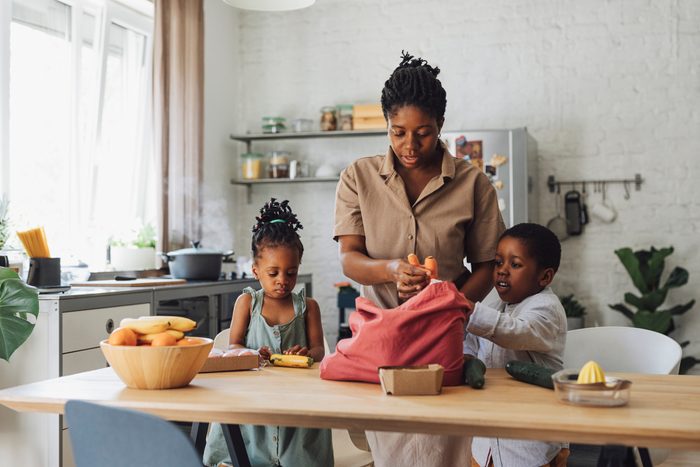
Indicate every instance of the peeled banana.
{"type": "Point", "coordinates": [591, 373]}
{"type": "Point", "coordinates": [148, 338]}
{"type": "Point", "coordinates": [145, 326]}
{"type": "Point", "coordinates": [295, 361]}
{"type": "Point", "coordinates": [178, 323]}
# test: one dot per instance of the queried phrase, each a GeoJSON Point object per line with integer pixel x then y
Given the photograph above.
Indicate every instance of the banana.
{"type": "Point", "coordinates": [145, 326]}
{"type": "Point", "coordinates": [295, 361]}
{"type": "Point", "coordinates": [148, 338]}
{"type": "Point", "coordinates": [591, 373]}
{"type": "Point", "coordinates": [178, 323]}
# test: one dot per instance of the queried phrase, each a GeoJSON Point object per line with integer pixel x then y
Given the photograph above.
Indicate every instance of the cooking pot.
{"type": "Point", "coordinates": [196, 263]}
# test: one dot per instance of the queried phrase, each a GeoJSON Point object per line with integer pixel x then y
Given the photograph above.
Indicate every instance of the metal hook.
{"type": "Point", "coordinates": [602, 188]}
{"type": "Point", "coordinates": [627, 189]}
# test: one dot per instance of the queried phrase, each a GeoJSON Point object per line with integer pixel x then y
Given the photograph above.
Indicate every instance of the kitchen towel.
{"type": "Point", "coordinates": [428, 328]}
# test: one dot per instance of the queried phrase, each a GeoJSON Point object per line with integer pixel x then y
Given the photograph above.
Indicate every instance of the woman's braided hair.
{"type": "Point", "coordinates": [276, 225]}
{"type": "Point", "coordinates": [415, 83]}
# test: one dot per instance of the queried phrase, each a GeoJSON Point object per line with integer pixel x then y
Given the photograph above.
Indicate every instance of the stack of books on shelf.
{"type": "Point", "coordinates": [368, 117]}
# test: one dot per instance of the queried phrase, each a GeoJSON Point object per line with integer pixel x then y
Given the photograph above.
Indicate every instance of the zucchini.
{"type": "Point", "coordinates": [531, 373]}
{"type": "Point", "coordinates": [473, 371]}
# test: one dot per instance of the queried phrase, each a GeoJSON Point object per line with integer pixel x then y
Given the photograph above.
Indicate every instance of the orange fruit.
{"type": "Point", "coordinates": [163, 339]}
{"type": "Point", "coordinates": [122, 336]}
{"type": "Point", "coordinates": [188, 341]}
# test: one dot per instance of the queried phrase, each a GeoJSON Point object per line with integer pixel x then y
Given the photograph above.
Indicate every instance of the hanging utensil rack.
{"type": "Point", "coordinates": [553, 183]}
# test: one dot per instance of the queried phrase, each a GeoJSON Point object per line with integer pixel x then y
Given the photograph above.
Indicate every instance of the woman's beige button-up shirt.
{"type": "Point", "coordinates": [456, 216]}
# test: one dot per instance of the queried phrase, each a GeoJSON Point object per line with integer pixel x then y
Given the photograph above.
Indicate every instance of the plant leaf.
{"type": "Point", "coordinates": [15, 298]}
{"type": "Point", "coordinates": [677, 278]}
{"type": "Point", "coordinates": [631, 263]}
{"type": "Point", "coordinates": [635, 301]}
{"type": "Point", "coordinates": [680, 309]}
{"type": "Point", "coordinates": [656, 266]}
{"type": "Point", "coordinates": [659, 321]}
{"type": "Point", "coordinates": [629, 314]}
{"type": "Point", "coordinates": [653, 300]}
{"type": "Point", "coordinates": [687, 363]}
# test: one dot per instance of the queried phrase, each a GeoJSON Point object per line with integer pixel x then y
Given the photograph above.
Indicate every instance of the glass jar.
{"type": "Point", "coordinates": [274, 124]}
{"type": "Point", "coordinates": [278, 164]}
{"type": "Point", "coordinates": [251, 165]}
{"type": "Point", "coordinates": [301, 125]}
{"type": "Point", "coordinates": [329, 121]}
{"type": "Point", "coordinates": [345, 117]}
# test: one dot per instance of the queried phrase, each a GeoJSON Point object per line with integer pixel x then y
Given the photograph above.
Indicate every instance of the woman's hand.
{"type": "Point", "coordinates": [409, 279]}
{"type": "Point", "coordinates": [296, 350]}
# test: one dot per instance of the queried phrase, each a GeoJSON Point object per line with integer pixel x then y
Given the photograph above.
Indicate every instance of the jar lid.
{"type": "Point", "coordinates": [251, 155]}
{"type": "Point", "coordinates": [328, 108]}
{"type": "Point", "coordinates": [274, 119]}
{"type": "Point", "coordinates": [345, 106]}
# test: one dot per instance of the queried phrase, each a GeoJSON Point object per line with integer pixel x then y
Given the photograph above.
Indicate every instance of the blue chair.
{"type": "Point", "coordinates": [112, 437]}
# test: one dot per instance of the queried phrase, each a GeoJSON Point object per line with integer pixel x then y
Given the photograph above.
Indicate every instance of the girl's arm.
{"type": "Point", "coordinates": [314, 330]}
{"type": "Point", "coordinates": [239, 321]}
{"type": "Point", "coordinates": [358, 266]}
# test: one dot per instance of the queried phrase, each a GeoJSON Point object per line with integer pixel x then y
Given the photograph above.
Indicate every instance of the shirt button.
{"type": "Point", "coordinates": [410, 236]}
{"type": "Point", "coordinates": [274, 439]}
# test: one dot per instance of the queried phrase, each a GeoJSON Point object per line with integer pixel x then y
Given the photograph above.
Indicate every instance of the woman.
{"type": "Point", "coordinates": [419, 199]}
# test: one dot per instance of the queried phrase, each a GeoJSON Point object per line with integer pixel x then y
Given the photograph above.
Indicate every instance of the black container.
{"type": "Point", "coordinates": [196, 263]}
{"type": "Point", "coordinates": [44, 272]}
{"type": "Point", "coordinates": [572, 206]}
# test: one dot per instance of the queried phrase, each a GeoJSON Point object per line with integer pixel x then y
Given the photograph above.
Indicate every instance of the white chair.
{"type": "Point", "coordinates": [624, 349]}
{"type": "Point", "coordinates": [345, 452]}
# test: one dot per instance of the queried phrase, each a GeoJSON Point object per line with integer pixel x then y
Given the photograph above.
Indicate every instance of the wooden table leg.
{"type": "Point", "coordinates": [236, 446]}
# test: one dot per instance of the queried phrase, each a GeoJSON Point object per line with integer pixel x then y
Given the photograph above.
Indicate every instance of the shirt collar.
{"type": "Point", "coordinates": [447, 169]}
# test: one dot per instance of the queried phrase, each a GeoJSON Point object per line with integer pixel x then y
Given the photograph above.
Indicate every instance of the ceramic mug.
{"type": "Point", "coordinates": [603, 212]}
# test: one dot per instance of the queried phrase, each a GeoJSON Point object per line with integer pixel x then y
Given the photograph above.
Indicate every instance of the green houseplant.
{"type": "Point", "coordinates": [645, 268]}
{"type": "Point", "coordinates": [136, 252]}
{"type": "Point", "coordinates": [574, 311]}
{"type": "Point", "coordinates": [18, 302]}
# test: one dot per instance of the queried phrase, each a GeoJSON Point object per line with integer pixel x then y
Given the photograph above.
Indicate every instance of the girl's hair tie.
{"type": "Point", "coordinates": [277, 221]}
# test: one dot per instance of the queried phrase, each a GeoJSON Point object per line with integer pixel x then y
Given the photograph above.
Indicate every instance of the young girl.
{"type": "Point", "coordinates": [275, 319]}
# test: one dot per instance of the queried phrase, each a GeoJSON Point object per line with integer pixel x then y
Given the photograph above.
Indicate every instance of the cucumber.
{"type": "Point", "coordinates": [531, 373]}
{"type": "Point", "coordinates": [473, 372]}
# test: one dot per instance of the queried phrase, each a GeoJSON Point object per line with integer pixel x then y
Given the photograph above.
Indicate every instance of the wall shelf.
{"type": "Point", "coordinates": [248, 138]}
{"type": "Point", "coordinates": [262, 181]}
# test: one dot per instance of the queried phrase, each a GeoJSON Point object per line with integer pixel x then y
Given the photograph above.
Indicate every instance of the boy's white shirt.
{"type": "Point", "coordinates": [533, 330]}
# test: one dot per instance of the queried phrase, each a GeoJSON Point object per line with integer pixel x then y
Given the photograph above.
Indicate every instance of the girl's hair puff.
{"type": "Point", "coordinates": [276, 226]}
{"type": "Point", "coordinates": [415, 83]}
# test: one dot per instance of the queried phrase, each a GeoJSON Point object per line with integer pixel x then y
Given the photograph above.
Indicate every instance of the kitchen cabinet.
{"type": "Point", "coordinates": [250, 138]}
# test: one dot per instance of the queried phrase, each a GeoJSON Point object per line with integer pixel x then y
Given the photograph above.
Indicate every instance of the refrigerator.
{"type": "Point", "coordinates": [508, 158]}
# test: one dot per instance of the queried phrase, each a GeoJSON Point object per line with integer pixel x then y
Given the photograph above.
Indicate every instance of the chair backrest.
{"type": "Point", "coordinates": [114, 437]}
{"type": "Point", "coordinates": [221, 339]}
{"type": "Point", "coordinates": [624, 349]}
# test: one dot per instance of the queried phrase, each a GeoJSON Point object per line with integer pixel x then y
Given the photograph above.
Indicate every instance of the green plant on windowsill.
{"type": "Point", "coordinates": [645, 268]}
{"type": "Point", "coordinates": [145, 237]}
{"type": "Point", "coordinates": [4, 221]}
{"type": "Point", "coordinates": [18, 302]}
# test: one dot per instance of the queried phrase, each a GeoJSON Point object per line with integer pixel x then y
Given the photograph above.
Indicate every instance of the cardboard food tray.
{"type": "Point", "coordinates": [241, 362]}
{"type": "Point", "coordinates": [411, 380]}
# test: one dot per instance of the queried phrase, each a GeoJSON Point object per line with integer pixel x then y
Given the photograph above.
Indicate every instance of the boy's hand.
{"type": "Point", "coordinates": [264, 352]}
{"type": "Point", "coordinates": [296, 350]}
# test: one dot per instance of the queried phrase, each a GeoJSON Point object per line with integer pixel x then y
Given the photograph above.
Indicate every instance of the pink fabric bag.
{"type": "Point", "coordinates": [428, 328]}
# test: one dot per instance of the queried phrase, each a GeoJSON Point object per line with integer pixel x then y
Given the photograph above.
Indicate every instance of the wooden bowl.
{"type": "Point", "coordinates": [167, 367]}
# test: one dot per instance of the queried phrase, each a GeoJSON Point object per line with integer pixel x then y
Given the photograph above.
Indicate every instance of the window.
{"type": "Point", "coordinates": [76, 153]}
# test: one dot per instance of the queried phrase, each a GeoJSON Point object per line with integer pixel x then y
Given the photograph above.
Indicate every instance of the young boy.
{"type": "Point", "coordinates": [527, 323]}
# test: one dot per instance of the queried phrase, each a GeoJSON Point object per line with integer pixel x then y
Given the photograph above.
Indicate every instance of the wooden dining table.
{"type": "Point", "coordinates": [664, 410]}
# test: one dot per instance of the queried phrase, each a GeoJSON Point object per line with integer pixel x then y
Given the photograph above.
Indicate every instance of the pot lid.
{"type": "Point", "coordinates": [198, 250]}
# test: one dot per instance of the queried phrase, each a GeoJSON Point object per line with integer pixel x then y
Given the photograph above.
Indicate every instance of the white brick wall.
{"type": "Point", "coordinates": [608, 89]}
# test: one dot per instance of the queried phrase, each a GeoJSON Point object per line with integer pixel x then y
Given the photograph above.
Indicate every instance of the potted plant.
{"type": "Point", "coordinates": [645, 268]}
{"type": "Point", "coordinates": [17, 302]}
{"type": "Point", "coordinates": [574, 312]}
{"type": "Point", "coordinates": [4, 221]}
{"type": "Point", "coordinates": [136, 252]}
